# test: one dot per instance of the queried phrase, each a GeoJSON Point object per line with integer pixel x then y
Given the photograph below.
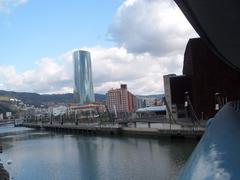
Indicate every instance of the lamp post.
{"type": "Point", "coordinates": [51, 116]}
{"type": "Point", "coordinates": [75, 117]}
{"type": "Point", "coordinates": [217, 103]}
{"type": "Point", "coordinates": [61, 118]}
{"type": "Point", "coordinates": [186, 104]}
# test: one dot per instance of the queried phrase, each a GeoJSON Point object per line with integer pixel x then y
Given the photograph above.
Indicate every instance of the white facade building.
{"type": "Point", "coordinates": [168, 97]}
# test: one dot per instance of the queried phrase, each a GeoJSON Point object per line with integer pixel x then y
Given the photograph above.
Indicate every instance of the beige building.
{"type": "Point", "coordinates": [120, 100]}
{"type": "Point", "coordinates": [167, 91]}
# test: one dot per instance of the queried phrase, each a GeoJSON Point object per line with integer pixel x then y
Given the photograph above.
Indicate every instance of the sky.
{"type": "Point", "coordinates": [130, 41]}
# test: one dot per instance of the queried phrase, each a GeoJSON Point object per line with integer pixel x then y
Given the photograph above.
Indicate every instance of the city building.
{"type": "Point", "coordinates": [120, 100]}
{"type": "Point", "coordinates": [8, 115]}
{"type": "Point", "coordinates": [148, 112]}
{"type": "Point", "coordinates": [58, 110]}
{"type": "Point", "coordinates": [148, 101]}
{"type": "Point", "coordinates": [94, 107]}
{"type": "Point", "coordinates": [204, 76]}
{"type": "Point", "coordinates": [83, 85]}
{"type": "Point", "coordinates": [168, 94]}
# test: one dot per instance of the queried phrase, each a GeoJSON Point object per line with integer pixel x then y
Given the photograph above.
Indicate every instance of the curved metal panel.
{"type": "Point", "coordinates": [217, 154]}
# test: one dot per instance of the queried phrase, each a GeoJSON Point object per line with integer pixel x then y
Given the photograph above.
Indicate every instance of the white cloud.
{"type": "Point", "coordinates": [7, 5]}
{"type": "Point", "coordinates": [154, 26]}
{"type": "Point", "coordinates": [111, 66]}
{"type": "Point", "coordinates": [143, 73]}
{"type": "Point", "coordinates": [151, 36]}
{"type": "Point", "coordinates": [49, 76]}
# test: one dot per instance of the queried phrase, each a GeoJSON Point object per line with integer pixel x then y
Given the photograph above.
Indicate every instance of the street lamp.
{"type": "Point", "coordinates": [216, 100]}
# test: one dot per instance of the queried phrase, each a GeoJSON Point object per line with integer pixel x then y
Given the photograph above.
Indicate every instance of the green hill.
{"type": "Point", "coordinates": [38, 99]}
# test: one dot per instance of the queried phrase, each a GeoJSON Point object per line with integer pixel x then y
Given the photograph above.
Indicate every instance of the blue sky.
{"type": "Point", "coordinates": [131, 41]}
{"type": "Point", "coordinates": [47, 28]}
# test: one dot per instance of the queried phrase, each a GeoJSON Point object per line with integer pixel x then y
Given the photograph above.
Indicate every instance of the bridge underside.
{"type": "Point", "coordinates": [217, 22]}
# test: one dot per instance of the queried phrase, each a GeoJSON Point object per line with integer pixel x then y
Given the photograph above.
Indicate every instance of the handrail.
{"type": "Point", "coordinates": [192, 109]}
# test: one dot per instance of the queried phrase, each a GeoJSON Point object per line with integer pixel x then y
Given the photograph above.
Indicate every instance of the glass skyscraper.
{"type": "Point", "coordinates": [83, 85]}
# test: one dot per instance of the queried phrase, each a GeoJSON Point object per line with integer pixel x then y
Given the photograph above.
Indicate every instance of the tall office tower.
{"type": "Point", "coordinates": [83, 85]}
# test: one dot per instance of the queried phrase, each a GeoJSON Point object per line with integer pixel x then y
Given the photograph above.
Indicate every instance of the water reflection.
{"type": "Point", "coordinates": [41, 155]}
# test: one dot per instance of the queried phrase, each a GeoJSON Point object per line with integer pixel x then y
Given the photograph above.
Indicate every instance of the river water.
{"type": "Point", "coordinates": [39, 155]}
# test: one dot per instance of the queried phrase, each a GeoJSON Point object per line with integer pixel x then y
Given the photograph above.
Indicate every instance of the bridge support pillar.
{"type": "Point", "coordinates": [149, 125]}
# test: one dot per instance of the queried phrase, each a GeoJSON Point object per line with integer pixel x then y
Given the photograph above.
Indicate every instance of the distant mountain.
{"type": "Point", "coordinates": [38, 99]}
{"type": "Point", "coordinates": [156, 96]}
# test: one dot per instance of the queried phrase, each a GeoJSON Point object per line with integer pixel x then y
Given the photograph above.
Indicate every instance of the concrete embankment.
{"type": "Point", "coordinates": [153, 132]}
{"type": "Point", "coordinates": [115, 130]}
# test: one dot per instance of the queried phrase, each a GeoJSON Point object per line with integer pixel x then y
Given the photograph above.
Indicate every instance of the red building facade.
{"type": "Point", "coordinates": [120, 100]}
